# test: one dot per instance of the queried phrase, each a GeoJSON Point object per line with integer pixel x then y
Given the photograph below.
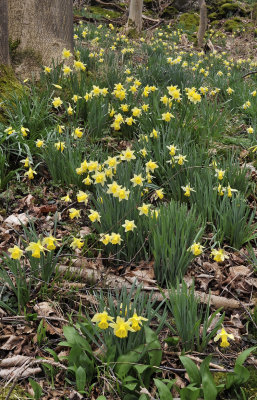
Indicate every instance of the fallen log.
{"type": "Point", "coordinates": [112, 282]}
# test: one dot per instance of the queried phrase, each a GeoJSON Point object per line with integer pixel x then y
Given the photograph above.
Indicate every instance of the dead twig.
{"type": "Point", "coordinates": [249, 73]}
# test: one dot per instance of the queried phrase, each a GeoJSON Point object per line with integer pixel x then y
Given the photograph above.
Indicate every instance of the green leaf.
{"type": "Point", "coordinates": [192, 370]}
{"type": "Point", "coordinates": [237, 378]}
{"type": "Point", "coordinates": [53, 353]}
{"type": "Point", "coordinates": [143, 397]}
{"type": "Point", "coordinates": [80, 379]}
{"type": "Point", "coordinates": [130, 386]}
{"type": "Point", "coordinates": [73, 338]}
{"type": "Point", "coordinates": [172, 340]}
{"type": "Point", "coordinates": [101, 398]}
{"type": "Point", "coordinates": [190, 393]}
{"type": "Point", "coordinates": [243, 356]}
{"type": "Point", "coordinates": [126, 361]}
{"type": "Point", "coordinates": [141, 368]}
{"type": "Point", "coordinates": [154, 347]}
{"type": "Point", "coordinates": [163, 390]}
{"type": "Point", "coordinates": [36, 389]}
{"type": "Point", "coordinates": [209, 388]}
{"type": "Point", "coordinates": [240, 374]}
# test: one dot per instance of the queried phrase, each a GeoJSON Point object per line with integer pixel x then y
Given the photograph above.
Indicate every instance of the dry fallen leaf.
{"type": "Point", "coordinates": [240, 270]}
{"type": "Point", "coordinates": [16, 220]}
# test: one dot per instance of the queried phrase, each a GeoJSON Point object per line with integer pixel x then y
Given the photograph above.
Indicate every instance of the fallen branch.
{"type": "Point", "coordinates": [151, 19]}
{"type": "Point", "coordinates": [249, 73]}
{"type": "Point", "coordinates": [112, 281]}
{"type": "Point", "coordinates": [111, 5]}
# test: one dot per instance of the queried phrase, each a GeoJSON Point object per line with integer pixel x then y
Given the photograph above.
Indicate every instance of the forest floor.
{"type": "Point", "coordinates": [128, 187]}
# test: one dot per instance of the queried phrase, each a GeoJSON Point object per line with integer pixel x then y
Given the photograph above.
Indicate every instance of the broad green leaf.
{"type": "Point", "coordinates": [141, 368]}
{"type": "Point", "coordinates": [209, 388]}
{"type": "Point", "coordinates": [101, 398]}
{"type": "Point", "coordinates": [243, 356]}
{"type": "Point", "coordinates": [163, 390]}
{"type": "Point", "coordinates": [153, 347]}
{"type": "Point", "coordinates": [126, 361]}
{"type": "Point", "coordinates": [72, 336]}
{"type": "Point", "coordinates": [190, 393]}
{"type": "Point", "coordinates": [130, 386]}
{"type": "Point", "coordinates": [237, 378]}
{"type": "Point", "coordinates": [143, 397]}
{"type": "Point", "coordinates": [36, 389]}
{"type": "Point", "coordinates": [192, 370]}
{"type": "Point", "coordinates": [80, 379]}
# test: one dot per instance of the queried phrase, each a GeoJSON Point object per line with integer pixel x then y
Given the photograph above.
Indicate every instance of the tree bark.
{"type": "Point", "coordinates": [4, 45]}
{"type": "Point", "coordinates": [44, 27]}
{"type": "Point", "coordinates": [135, 14]}
{"type": "Point", "coordinates": [203, 22]}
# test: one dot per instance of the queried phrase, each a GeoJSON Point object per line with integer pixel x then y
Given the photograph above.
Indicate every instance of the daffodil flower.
{"type": "Point", "coordinates": [36, 248]}
{"type": "Point", "coordinates": [16, 252]}
{"type": "Point", "coordinates": [219, 255]}
{"type": "Point", "coordinates": [223, 335]}
{"type": "Point", "coordinates": [136, 322]}
{"type": "Point", "coordinates": [102, 320]}
{"type": "Point", "coordinates": [121, 327]}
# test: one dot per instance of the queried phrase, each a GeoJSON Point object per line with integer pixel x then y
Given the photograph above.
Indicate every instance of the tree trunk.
{"type": "Point", "coordinates": [135, 14]}
{"type": "Point", "coordinates": [4, 45]}
{"type": "Point", "coordinates": [203, 22]}
{"type": "Point", "coordinates": [43, 28]}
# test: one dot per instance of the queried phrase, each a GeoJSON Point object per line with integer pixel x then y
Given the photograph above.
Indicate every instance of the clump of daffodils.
{"type": "Point", "coordinates": [120, 327]}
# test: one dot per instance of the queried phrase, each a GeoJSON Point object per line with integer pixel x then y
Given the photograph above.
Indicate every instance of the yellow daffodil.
{"type": "Point", "coordinates": [220, 174]}
{"type": "Point", "coordinates": [40, 143]}
{"type": "Point", "coordinates": [74, 213]}
{"type": "Point", "coordinates": [122, 193]}
{"type": "Point", "coordinates": [137, 180]}
{"type": "Point", "coordinates": [82, 197]}
{"type": "Point", "coordinates": [219, 255]}
{"type": "Point", "coordinates": [36, 248]}
{"type": "Point", "coordinates": [129, 225]}
{"type": "Point", "coordinates": [50, 242]}
{"type": "Point", "coordinates": [187, 189]}
{"type": "Point", "coordinates": [60, 146]}
{"type": "Point", "coordinates": [30, 173]}
{"type": "Point", "coordinates": [102, 320]}
{"type": "Point", "coordinates": [105, 238]}
{"type": "Point", "coordinates": [16, 252]}
{"type": "Point", "coordinates": [57, 102]}
{"type": "Point", "coordinates": [127, 155]}
{"type": "Point", "coordinates": [144, 209]}
{"type": "Point", "coordinates": [66, 53]}
{"type": "Point", "coordinates": [229, 190]}
{"type": "Point", "coordinates": [223, 335]}
{"type": "Point", "coordinates": [66, 198]}
{"type": "Point", "coordinates": [76, 243]}
{"type": "Point", "coordinates": [47, 70]}
{"type": "Point", "coordinates": [150, 166]}
{"type": "Point", "coordinates": [196, 249]}
{"type": "Point", "coordinates": [158, 194]}
{"type": "Point", "coordinates": [26, 162]}
{"type": "Point", "coordinates": [167, 116]}
{"type": "Point", "coordinates": [121, 327]}
{"type": "Point", "coordinates": [115, 238]}
{"type": "Point", "coordinates": [94, 216]}
{"type": "Point", "coordinates": [136, 322]}
{"type": "Point", "coordinates": [24, 131]}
